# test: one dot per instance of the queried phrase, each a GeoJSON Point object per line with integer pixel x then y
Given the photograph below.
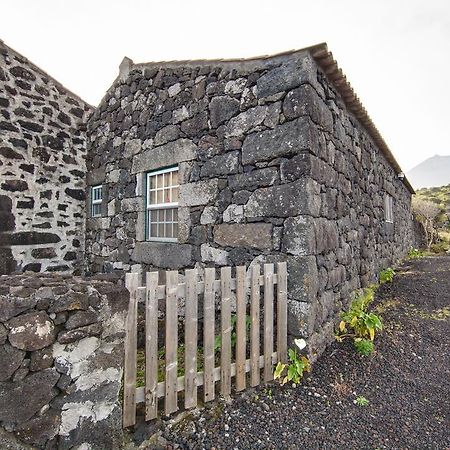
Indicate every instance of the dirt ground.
{"type": "Point", "coordinates": [406, 382]}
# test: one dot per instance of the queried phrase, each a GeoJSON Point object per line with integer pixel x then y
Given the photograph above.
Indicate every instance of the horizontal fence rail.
{"type": "Point", "coordinates": [238, 344]}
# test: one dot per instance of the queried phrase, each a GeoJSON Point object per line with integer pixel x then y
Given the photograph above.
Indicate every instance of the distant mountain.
{"type": "Point", "coordinates": [432, 172]}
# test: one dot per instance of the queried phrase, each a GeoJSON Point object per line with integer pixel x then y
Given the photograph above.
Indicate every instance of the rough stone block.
{"type": "Point", "coordinates": [254, 179]}
{"type": "Point", "coordinates": [254, 235]}
{"type": "Point", "coordinates": [221, 109]}
{"type": "Point", "coordinates": [226, 164]}
{"type": "Point", "coordinates": [285, 140]}
{"type": "Point", "coordinates": [213, 255]}
{"type": "Point", "coordinates": [163, 254]}
{"type": "Point", "coordinates": [298, 236]}
{"type": "Point", "coordinates": [199, 193]}
{"type": "Point", "coordinates": [245, 121]}
{"type": "Point", "coordinates": [166, 155]}
{"type": "Point", "coordinates": [303, 278]}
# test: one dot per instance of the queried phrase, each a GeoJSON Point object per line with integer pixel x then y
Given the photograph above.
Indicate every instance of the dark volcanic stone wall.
{"type": "Point", "coordinates": [61, 353]}
{"type": "Point", "coordinates": [272, 168]}
{"type": "Point", "coordinates": [42, 169]}
{"type": "Point", "coordinates": [350, 241]}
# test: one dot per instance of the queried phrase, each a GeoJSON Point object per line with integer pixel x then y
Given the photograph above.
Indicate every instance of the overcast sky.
{"type": "Point", "coordinates": [395, 53]}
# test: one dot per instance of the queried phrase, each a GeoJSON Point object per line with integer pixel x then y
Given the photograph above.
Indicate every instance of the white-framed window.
{"type": "Point", "coordinates": [388, 208]}
{"type": "Point", "coordinates": [162, 205]}
{"type": "Point", "coordinates": [96, 200]}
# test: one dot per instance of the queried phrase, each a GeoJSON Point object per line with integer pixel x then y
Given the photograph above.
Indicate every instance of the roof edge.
{"type": "Point", "coordinates": [328, 64]}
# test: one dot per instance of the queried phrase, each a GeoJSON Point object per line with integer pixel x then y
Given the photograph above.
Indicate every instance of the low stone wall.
{"type": "Point", "coordinates": [61, 353]}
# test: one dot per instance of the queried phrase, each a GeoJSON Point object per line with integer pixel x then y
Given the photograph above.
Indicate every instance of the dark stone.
{"type": "Point", "coordinates": [27, 168]}
{"type": "Point", "coordinates": [7, 261]}
{"type": "Point", "coordinates": [18, 143]}
{"type": "Point", "coordinates": [21, 72]}
{"type": "Point", "coordinates": [23, 85]}
{"type": "Point", "coordinates": [41, 359]}
{"type": "Point", "coordinates": [194, 126]}
{"type": "Point", "coordinates": [66, 337]}
{"type": "Point", "coordinates": [31, 126]}
{"type": "Point", "coordinates": [77, 194]}
{"type": "Point", "coordinates": [13, 306]}
{"type": "Point", "coordinates": [4, 102]}
{"type": "Point", "coordinates": [221, 165]}
{"type": "Point", "coordinates": [32, 267]}
{"type": "Point", "coordinates": [11, 358]}
{"type": "Point", "coordinates": [7, 126]}
{"type": "Point", "coordinates": [9, 153]}
{"type": "Point", "coordinates": [28, 238]}
{"type": "Point", "coordinates": [77, 112]}
{"type": "Point", "coordinates": [22, 400]}
{"type": "Point", "coordinates": [42, 154]}
{"type": "Point", "coordinates": [43, 253]}
{"type": "Point", "coordinates": [26, 204]}
{"type": "Point", "coordinates": [14, 185]}
{"type": "Point", "coordinates": [46, 194]}
{"type": "Point", "coordinates": [64, 118]}
{"type": "Point", "coordinates": [81, 319]}
{"type": "Point", "coordinates": [53, 142]}
{"type": "Point", "coordinates": [7, 221]}
{"type": "Point", "coordinates": [70, 256]}
{"type": "Point", "coordinates": [40, 430]}
{"type": "Point", "coordinates": [31, 331]}
{"type": "Point", "coordinates": [222, 109]}
{"type": "Point", "coordinates": [24, 113]}
{"type": "Point", "coordinates": [70, 302]}
{"type": "Point", "coordinates": [253, 179]}
{"type": "Point", "coordinates": [296, 167]}
{"type": "Point", "coordinates": [287, 139]}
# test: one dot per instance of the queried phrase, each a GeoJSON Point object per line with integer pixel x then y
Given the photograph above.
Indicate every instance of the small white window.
{"type": "Point", "coordinates": [389, 208]}
{"type": "Point", "coordinates": [96, 201]}
{"type": "Point", "coordinates": [162, 205]}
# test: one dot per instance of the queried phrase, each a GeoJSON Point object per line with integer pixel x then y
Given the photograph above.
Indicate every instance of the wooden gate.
{"type": "Point", "coordinates": [223, 355]}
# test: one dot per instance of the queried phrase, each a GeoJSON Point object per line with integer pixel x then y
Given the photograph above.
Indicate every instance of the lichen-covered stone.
{"type": "Point", "coordinates": [253, 235]}
{"type": "Point", "coordinates": [31, 331]}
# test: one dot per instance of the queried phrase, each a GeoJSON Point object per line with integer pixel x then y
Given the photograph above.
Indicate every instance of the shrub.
{"type": "Point", "coordinates": [363, 346]}
{"type": "Point", "coordinates": [295, 370]}
{"type": "Point", "coordinates": [414, 253]}
{"type": "Point", "coordinates": [387, 275]}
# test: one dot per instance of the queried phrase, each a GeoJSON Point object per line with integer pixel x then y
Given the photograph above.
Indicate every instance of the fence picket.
{"type": "Point", "coordinates": [241, 337]}
{"type": "Point", "coordinates": [225, 351]}
{"type": "Point", "coordinates": [191, 288]}
{"type": "Point", "coordinates": [268, 321]}
{"type": "Point", "coordinates": [254, 336]}
{"type": "Point", "coordinates": [208, 335]}
{"type": "Point", "coordinates": [151, 347]}
{"type": "Point", "coordinates": [282, 312]}
{"type": "Point", "coordinates": [170, 404]}
{"type": "Point", "coordinates": [190, 348]}
{"type": "Point", "coordinates": [130, 366]}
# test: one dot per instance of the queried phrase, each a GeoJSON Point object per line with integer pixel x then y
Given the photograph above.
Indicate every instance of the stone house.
{"type": "Point", "coordinates": [212, 163]}
{"type": "Point", "coordinates": [42, 169]}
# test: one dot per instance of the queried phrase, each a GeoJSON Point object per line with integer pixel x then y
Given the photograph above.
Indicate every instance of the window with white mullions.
{"type": "Point", "coordinates": [389, 208]}
{"type": "Point", "coordinates": [162, 205]}
{"type": "Point", "coordinates": [96, 201]}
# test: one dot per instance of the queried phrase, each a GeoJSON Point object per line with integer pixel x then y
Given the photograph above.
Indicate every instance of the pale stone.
{"type": "Point", "coordinates": [174, 90]}
{"type": "Point", "coordinates": [199, 193]}
{"type": "Point", "coordinates": [209, 215]}
{"type": "Point", "coordinates": [234, 213]}
{"type": "Point", "coordinates": [215, 255]}
{"type": "Point", "coordinates": [254, 235]}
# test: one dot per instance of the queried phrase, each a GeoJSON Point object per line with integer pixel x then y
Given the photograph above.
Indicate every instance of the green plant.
{"type": "Point", "coordinates": [363, 346]}
{"type": "Point", "coordinates": [387, 275]}
{"type": "Point", "coordinates": [218, 338]}
{"type": "Point", "coordinates": [361, 401]}
{"type": "Point", "coordinates": [296, 368]}
{"type": "Point", "coordinates": [415, 253]}
{"type": "Point", "coordinates": [357, 322]}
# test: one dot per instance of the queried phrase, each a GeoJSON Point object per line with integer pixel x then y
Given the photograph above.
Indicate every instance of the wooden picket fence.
{"type": "Point", "coordinates": [189, 290]}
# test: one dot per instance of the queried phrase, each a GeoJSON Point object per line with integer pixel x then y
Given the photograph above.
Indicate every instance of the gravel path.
{"type": "Point", "coordinates": [407, 384]}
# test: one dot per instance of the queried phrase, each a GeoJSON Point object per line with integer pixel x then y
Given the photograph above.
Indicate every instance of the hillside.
{"type": "Point", "coordinates": [434, 171]}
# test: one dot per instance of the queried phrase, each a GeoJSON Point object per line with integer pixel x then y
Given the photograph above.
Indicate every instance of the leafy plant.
{"type": "Point", "coordinates": [415, 253]}
{"type": "Point", "coordinates": [294, 370]}
{"type": "Point", "coordinates": [361, 401]}
{"type": "Point", "coordinates": [387, 275]}
{"type": "Point", "coordinates": [363, 346]}
{"type": "Point", "coordinates": [357, 322]}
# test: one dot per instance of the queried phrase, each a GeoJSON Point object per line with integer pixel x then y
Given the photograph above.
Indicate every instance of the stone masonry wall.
{"type": "Point", "coordinates": [349, 240]}
{"type": "Point", "coordinates": [42, 169]}
{"type": "Point", "coordinates": [272, 168]}
{"type": "Point", "coordinates": [224, 125]}
{"type": "Point", "coordinates": [61, 353]}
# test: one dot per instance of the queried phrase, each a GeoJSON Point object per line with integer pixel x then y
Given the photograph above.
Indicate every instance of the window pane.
{"type": "Point", "coordinates": [175, 214]}
{"type": "Point", "coordinates": [161, 230]}
{"type": "Point", "coordinates": [152, 197]}
{"type": "Point", "coordinates": [160, 196]}
{"type": "Point", "coordinates": [160, 180]}
{"type": "Point", "coordinates": [154, 230]}
{"type": "Point", "coordinates": [175, 230]}
{"type": "Point", "coordinates": [168, 229]}
{"type": "Point", "coordinates": [152, 182]}
{"type": "Point", "coordinates": [175, 195]}
{"type": "Point", "coordinates": [169, 215]}
{"type": "Point", "coordinates": [175, 178]}
{"type": "Point", "coordinates": [166, 195]}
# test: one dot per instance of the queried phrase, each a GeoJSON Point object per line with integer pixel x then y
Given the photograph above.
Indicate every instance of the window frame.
{"type": "Point", "coordinates": [159, 206]}
{"type": "Point", "coordinates": [97, 201]}
{"type": "Point", "coordinates": [389, 208]}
